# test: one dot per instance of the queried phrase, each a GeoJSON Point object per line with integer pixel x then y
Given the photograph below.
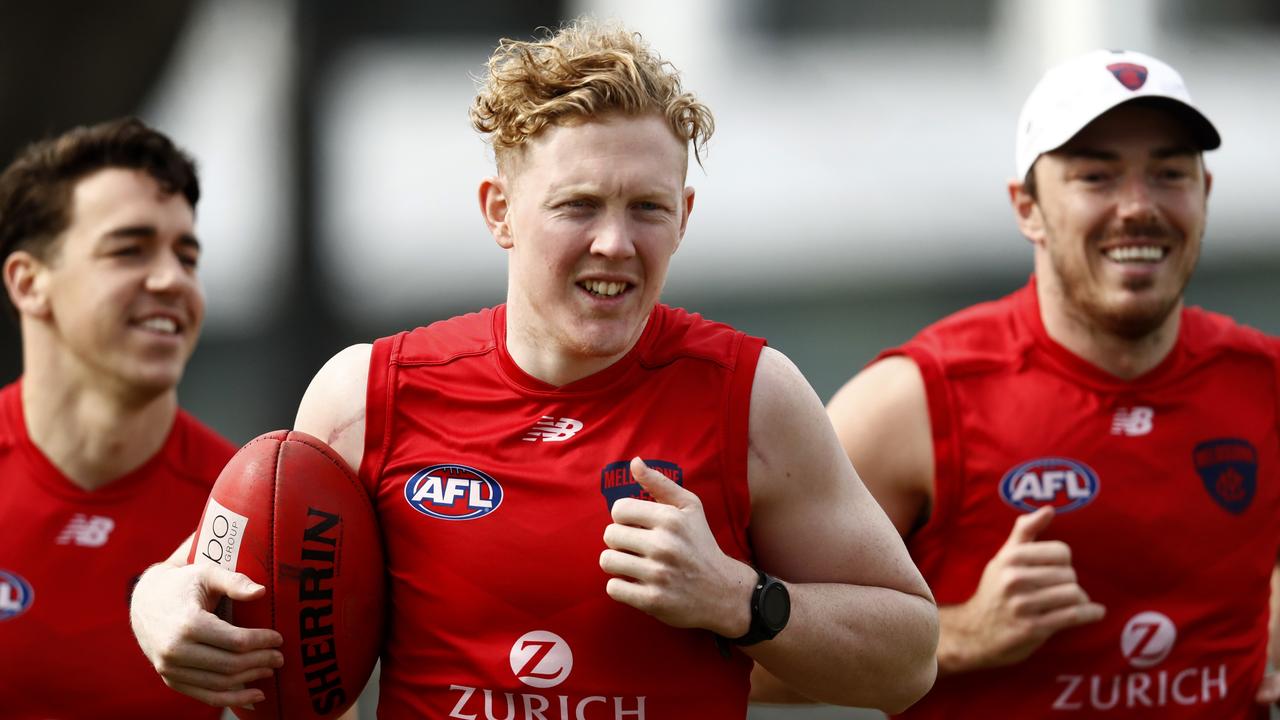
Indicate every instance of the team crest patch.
{"type": "Point", "coordinates": [453, 492]}
{"type": "Point", "coordinates": [16, 595]}
{"type": "Point", "coordinates": [616, 481]}
{"type": "Point", "coordinates": [1062, 483]}
{"type": "Point", "coordinates": [1130, 75]}
{"type": "Point", "coordinates": [1229, 469]}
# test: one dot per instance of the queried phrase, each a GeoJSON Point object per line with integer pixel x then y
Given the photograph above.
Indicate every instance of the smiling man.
{"type": "Point", "coordinates": [100, 472]}
{"type": "Point", "coordinates": [1086, 470]}
{"type": "Point", "coordinates": [594, 505]}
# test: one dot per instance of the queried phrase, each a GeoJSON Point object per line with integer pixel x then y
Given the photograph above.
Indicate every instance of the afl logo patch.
{"type": "Point", "coordinates": [1062, 483]}
{"type": "Point", "coordinates": [453, 492]}
{"type": "Point", "coordinates": [16, 595]}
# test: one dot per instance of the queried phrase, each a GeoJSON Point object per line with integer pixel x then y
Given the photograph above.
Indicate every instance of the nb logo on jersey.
{"type": "Point", "coordinates": [453, 492]}
{"type": "Point", "coordinates": [541, 659]}
{"type": "Point", "coordinates": [550, 429]}
{"type": "Point", "coordinates": [1133, 421]}
{"type": "Point", "coordinates": [1061, 482]}
{"type": "Point", "coordinates": [16, 595]}
{"type": "Point", "coordinates": [87, 531]}
{"type": "Point", "coordinates": [1147, 639]}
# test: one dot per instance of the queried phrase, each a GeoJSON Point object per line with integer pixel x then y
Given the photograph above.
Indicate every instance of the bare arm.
{"type": "Point", "coordinates": [881, 418]}
{"type": "Point", "coordinates": [193, 650]}
{"type": "Point", "coordinates": [1269, 691]}
{"type": "Point", "coordinates": [333, 407]}
{"type": "Point", "coordinates": [882, 423]}
{"type": "Point", "coordinates": [863, 627]}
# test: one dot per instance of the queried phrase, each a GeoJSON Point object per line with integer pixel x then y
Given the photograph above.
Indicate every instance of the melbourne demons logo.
{"type": "Point", "coordinates": [616, 481]}
{"type": "Point", "coordinates": [1061, 483]}
{"type": "Point", "coordinates": [16, 595]}
{"type": "Point", "coordinates": [453, 492]}
{"type": "Point", "coordinates": [1229, 469]}
{"type": "Point", "coordinates": [1130, 75]}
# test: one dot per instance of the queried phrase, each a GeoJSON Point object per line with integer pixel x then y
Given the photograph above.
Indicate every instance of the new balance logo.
{"type": "Point", "coordinates": [87, 531]}
{"type": "Point", "coordinates": [1132, 421]}
{"type": "Point", "coordinates": [550, 429]}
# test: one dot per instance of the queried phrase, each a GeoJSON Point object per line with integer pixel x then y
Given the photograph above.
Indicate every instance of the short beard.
{"type": "Point", "coordinates": [1128, 324]}
{"type": "Point", "coordinates": [1131, 325]}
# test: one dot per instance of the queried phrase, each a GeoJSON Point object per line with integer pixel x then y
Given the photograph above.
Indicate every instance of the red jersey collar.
{"type": "Point", "coordinates": [1027, 302]}
{"type": "Point", "coordinates": [47, 475]}
{"type": "Point", "coordinates": [592, 383]}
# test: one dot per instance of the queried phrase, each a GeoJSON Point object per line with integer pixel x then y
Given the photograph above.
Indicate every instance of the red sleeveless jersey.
{"type": "Point", "coordinates": [494, 490]}
{"type": "Point", "coordinates": [68, 562]}
{"type": "Point", "coordinates": [1165, 489]}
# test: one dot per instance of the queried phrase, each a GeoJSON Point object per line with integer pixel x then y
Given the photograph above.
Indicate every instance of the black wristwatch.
{"type": "Point", "coordinates": [770, 610]}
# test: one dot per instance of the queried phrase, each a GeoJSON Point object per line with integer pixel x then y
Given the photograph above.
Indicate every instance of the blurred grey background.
{"type": "Point", "coordinates": [854, 190]}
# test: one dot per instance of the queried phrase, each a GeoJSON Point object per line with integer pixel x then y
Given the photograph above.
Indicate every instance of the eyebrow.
{"type": "Point", "coordinates": [145, 231]}
{"type": "Point", "coordinates": [1175, 151]}
{"type": "Point", "coordinates": [1085, 153]}
{"type": "Point", "coordinates": [1160, 153]}
{"type": "Point", "coordinates": [588, 190]}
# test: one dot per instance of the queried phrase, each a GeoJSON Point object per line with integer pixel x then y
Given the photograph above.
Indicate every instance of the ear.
{"type": "Point", "coordinates": [24, 280]}
{"type": "Point", "coordinates": [1026, 212]}
{"type": "Point", "coordinates": [1208, 182]}
{"type": "Point", "coordinates": [684, 216]}
{"type": "Point", "coordinates": [495, 206]}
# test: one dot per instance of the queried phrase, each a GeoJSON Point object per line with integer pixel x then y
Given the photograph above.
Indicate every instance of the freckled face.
{"type": "Point", "coordinates": [596, 211]}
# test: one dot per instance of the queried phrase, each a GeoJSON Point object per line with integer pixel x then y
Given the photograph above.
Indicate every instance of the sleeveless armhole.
{"type": "Point", "coordinates": [1274, 347]}
{"type": "Point", "coordinates": [379, 405]}
{"type": "Point", "coordinates": [737, 431]}
{"type": "Point", "coordinates": [947, 450]}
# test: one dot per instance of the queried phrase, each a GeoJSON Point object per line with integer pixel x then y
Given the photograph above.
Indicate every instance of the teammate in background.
{"type": "Point", "coordinates": [538, 566]}
{"type": "Point", "coordinates": [100, 471]}
{"type": "Point", "coordinates": [1085, 470]}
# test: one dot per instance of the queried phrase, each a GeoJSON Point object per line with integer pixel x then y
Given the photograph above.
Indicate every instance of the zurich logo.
{"type": "Point", "coordinates": [453, 492]}
{"type": "Point", "coordinates": [1061, 483]}
{"type": "Point", "coordinates": [16, 595]}
{"type": "Point", "coordinates": [541, 659]}
{"type": "Point", "coordinates": [1147, 639]}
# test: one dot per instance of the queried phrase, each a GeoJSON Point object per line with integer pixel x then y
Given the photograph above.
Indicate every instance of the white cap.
{"type": "Point", "coordinates": [1075, 93]}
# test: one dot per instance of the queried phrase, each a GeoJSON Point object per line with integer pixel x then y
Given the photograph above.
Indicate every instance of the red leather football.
{"type": "Point", "coordinates": [288, 512]}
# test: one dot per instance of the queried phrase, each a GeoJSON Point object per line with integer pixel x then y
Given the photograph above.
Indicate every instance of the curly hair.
{"type": "Point", "coordinates": [584, 70]}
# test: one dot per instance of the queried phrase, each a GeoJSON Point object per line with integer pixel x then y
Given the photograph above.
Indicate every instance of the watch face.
{"type": "Point", "coordinates": [775, 606]}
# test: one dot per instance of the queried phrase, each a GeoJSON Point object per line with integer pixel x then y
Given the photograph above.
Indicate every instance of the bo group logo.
{"type": "Point", "coordinates": [453, 492]}
{"type": "Point", "coordinates": [16, 595]}
{"type": "Point", "coordinates": [1060, 482]}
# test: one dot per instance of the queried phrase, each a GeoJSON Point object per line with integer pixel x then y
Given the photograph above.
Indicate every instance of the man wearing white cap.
{"type": "Point", "coordinates": [1085, 470]}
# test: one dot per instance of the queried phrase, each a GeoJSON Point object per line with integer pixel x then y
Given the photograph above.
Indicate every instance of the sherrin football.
{"type": "Point", "coordinates": [288, 512]}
